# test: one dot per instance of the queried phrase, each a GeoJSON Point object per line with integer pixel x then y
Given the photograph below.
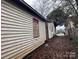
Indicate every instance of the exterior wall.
{"type": "Point", "coordinates": [51, 29]}
{"type": "Point", "coordinates": [42, 31]}
{"type": "Point", "coordinates": [17, 32]}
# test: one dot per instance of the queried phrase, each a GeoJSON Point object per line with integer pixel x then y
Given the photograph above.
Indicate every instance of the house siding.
{"type": "Point", "coordinates": [51, 30]}
{"type": "Point", "coordinates": [17, 32]}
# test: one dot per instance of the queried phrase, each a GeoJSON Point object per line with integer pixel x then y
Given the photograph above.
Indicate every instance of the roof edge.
{"type": "Point", "coordinates": [22, 2]}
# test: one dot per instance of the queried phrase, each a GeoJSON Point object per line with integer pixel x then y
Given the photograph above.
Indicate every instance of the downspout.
{"type": "Point", "coordinates": [47, 34]}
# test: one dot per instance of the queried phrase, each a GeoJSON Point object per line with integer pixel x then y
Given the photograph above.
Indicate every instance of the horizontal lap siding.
{"type": "Point", "coordinates": [16, 32]}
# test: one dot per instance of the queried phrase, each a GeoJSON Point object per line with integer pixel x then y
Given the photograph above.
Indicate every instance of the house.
{"type": "Point", "coordinates": [51, 29]}
{"type": "Point", "coordinates": [22, 29]}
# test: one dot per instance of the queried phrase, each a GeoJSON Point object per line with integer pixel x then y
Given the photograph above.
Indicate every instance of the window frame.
{"type": "Point", "coordinates": [35, 27]}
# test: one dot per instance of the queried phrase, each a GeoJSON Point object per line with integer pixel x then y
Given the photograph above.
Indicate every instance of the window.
{"type": "Point", "coordinates": [35, 28]}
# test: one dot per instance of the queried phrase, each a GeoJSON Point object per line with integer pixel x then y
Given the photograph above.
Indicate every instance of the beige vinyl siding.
{"type": "Point", "coordinates": [42, 31]}
{"type": "Point", "coordinates": [17, 32]}
{"type": "Point", "coordinates": [51, 30]}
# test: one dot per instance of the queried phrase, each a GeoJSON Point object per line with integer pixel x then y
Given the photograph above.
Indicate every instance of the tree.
{"type": "Point", "coordinates": [76, 2]}
{"type": "Point", "coordinates": [57, 15]}
{"type": "Point", "coordinates": [43, 6]}
{"type": "Point", "coordinates": [69, 6]}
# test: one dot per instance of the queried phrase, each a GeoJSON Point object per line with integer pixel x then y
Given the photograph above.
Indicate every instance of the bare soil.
{"type": "Point", "coordinates": [55, 48]}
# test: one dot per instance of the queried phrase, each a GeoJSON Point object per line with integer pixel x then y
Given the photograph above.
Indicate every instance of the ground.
{"type": "Point", "coordinates": [59, 47]}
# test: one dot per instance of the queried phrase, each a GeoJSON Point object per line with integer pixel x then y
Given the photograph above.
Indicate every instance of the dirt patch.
{"type": "Point", "coordinates": [55, 48]}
